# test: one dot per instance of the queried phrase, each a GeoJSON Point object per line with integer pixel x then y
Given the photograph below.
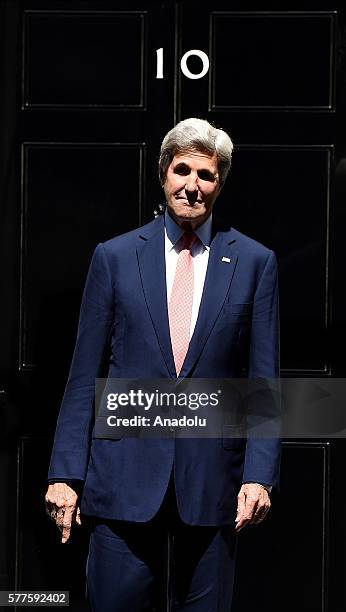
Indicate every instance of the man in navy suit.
{"type": "Point", "coordinates": [185, 297]}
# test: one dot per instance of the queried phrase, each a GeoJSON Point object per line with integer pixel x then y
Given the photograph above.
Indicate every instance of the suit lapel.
{"type": "Point", "coordinates": [151, 261]}
{"type": "Point", "coordinates": [217, 282]}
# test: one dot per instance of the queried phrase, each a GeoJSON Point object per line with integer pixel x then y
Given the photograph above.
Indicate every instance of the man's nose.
{"type": "Point", "coordinates": [191, 184]}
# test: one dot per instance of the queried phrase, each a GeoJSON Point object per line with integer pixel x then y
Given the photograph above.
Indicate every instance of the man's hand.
{"type": "Point", "coordinates": [253, 505]}
{"type": "Point", "coordinates": [61, 505]}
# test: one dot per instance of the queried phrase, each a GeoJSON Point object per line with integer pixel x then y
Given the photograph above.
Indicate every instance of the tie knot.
{"type": "Point", "coordinates": [188, 238]}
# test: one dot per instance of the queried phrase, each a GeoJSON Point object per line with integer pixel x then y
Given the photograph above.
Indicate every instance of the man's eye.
{"type": "Point", "coordinates": [206, 176]}
{"type": "Point", "coordinates": [183, 170]}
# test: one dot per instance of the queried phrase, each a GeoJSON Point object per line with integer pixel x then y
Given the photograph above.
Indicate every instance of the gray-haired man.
{"type": "Point", "coordinates": [182, 296]}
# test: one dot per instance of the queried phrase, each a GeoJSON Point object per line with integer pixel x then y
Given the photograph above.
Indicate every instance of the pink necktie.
{"type": "Point", "coordinates": [180, 303]}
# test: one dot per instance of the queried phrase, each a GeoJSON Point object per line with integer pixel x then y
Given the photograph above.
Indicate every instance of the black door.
{"type": "Point", "coordinates": [88, 89]}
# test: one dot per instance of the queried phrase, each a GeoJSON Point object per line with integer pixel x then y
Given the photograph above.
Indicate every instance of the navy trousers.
{"type": "Point", "coordinates": [127, 564]}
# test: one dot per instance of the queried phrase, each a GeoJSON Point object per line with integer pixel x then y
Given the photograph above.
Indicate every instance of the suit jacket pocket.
{"type": "Point", "coordinates": [100, 431]}
{"type": "Point", "coordinates": [243, 310]}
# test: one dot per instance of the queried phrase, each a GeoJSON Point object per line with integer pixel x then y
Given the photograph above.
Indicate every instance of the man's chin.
{"type": "Point", "coordinates": [189, 216]}
{"type": "Point", "coordinates": [191, 221]}
{"type": "Point", "coordinates": [191, 213]}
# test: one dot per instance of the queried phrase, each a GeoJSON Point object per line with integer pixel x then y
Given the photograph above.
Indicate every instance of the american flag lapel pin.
{"type": "Point", "coordinates": [226, 259]}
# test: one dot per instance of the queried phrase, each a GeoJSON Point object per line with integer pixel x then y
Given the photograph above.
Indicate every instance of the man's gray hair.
{"type": "Point", "coordinates": [196, 135]}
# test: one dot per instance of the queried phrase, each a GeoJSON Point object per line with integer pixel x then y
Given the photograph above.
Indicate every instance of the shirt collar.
{"type": "Point", "coordinates": [174, 231]}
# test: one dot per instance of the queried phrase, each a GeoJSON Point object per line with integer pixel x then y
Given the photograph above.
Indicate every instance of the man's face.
{"type": "Point", "coordinates": [191, 187]}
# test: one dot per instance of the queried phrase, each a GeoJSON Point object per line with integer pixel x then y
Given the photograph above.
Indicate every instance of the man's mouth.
{"type": "Point", "coordinates": [190, 202]}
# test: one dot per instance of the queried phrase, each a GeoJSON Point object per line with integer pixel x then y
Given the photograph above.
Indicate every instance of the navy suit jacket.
{"type": "Point", "coordinates": [125, 304]}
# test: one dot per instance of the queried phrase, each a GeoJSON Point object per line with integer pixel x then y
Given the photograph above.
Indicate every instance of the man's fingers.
{"type": "Point", "coordinates": [241, 503]}
{"type": "Point", "coordinates": [245, 518]}
{"type": "Point", "coordinates": [61, 505]}
{"type": "Point", "coordinates": [261, 512]}
{"type": "Point", "coordinates": [66, 524]}
{"type": "Point", "coordinates": [77, 517]}
{"type": "Point", "coordinates": [64, 518]}
{"type": "Point", "coordinates": [263, 506]}
{"type": "Point", "coordinates": [59, 517]}
{"type": "Point", "coordinates": [249, 508]}
{"type": "Point", "coordinates": [244, 513]}
{"type": "Point", "coordinates": [241, 524]}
